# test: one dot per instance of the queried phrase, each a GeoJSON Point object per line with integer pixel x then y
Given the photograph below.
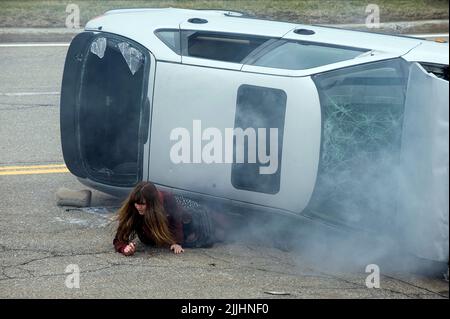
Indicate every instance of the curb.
{"type": "Point", "coordinates": [17, 35]}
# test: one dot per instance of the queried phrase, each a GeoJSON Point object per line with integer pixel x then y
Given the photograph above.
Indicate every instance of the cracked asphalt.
{"type": "Point", "coordinates": [39, 240]}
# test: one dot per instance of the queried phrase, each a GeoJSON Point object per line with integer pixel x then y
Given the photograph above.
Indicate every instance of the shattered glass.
{"type": "Point", "coordinates": [132, 56]}
{"type": "Point", "coordinates": [186, 202]}
{"type": "Point", "coordinates": [98, 47]}
{"type": "Point", "coordinates": [362, 117]}
{"type": "Point", "coordinates": [100, 210]}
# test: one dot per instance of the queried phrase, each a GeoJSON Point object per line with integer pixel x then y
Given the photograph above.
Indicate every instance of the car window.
{"type": "Point", "coordinates": [440, 70]}
{"type": "Point", "coordinates": [259, 127]}
{"type": "Point", "coordinates": [171, 38]}
{"type": "Point", "coordinates": [219, 46]}
{"type": "Point", "coordinates": [362, 116]}
{"type": "Point", "coordinates": [299, 55]}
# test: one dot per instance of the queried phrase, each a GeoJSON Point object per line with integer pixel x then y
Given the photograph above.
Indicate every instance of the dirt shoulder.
{"type": "Point", "coordinates": [53, 14]}
{"type": "Point", "coordinates": [45, 21]}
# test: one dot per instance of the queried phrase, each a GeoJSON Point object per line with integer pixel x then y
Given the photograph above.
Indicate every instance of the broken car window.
{"type": "Point", "coordinates": [98, 47]}
{"type": "Point", "coordinates": [362, 117]}
{"type": "Point", "coordinates": [132, 56]}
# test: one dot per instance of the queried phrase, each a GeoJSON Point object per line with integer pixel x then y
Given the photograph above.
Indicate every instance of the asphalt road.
{"type": "Point", "coordinates": [39, 240]}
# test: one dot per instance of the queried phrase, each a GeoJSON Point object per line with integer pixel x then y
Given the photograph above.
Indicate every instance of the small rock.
{"type": "Point", "coordinates": [68, 197]}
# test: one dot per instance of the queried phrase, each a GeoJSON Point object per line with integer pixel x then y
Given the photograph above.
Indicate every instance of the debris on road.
{"type": "Point", "coordinates": [68, 197]}
{"type": "Point", "coordinates": [278, 293]}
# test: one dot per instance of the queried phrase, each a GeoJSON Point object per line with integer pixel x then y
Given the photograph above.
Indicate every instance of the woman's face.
{"type": "Point", "coordinates": [141, 207]}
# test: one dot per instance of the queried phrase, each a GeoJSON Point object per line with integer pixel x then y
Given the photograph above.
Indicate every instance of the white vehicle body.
{"type": "Point", "coordinates": [170, 85]}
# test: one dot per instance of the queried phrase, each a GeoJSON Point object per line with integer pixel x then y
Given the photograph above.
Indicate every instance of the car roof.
{"type": "Point", "coordinates": [140, 25]}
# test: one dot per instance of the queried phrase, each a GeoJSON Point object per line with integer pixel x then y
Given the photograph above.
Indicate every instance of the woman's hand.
{"type": "Point", "coordinates": [176, 248]}
{"type": "Point", "coordinates": [129, 249]}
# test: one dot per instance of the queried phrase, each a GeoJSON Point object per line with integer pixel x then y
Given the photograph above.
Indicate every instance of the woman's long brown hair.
{"type": "Point", "coordinates": [155, 218]}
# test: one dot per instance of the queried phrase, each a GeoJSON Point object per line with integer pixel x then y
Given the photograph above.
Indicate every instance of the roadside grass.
{"type": "Point", "coordinates": [29, 13]}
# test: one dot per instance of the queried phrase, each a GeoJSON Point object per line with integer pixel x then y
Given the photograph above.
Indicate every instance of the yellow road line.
{"type": "Point", "coordinates": [7, 168]}
{"type": "Point", "coordinates": [33, 169]}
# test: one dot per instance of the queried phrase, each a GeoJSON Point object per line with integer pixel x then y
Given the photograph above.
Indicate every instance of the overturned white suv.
{"type": "Point", "coordinates": [346, 127]}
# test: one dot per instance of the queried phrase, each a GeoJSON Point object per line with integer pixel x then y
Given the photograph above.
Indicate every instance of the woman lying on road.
{"type": "Point", "coordinates": [157, 220]}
